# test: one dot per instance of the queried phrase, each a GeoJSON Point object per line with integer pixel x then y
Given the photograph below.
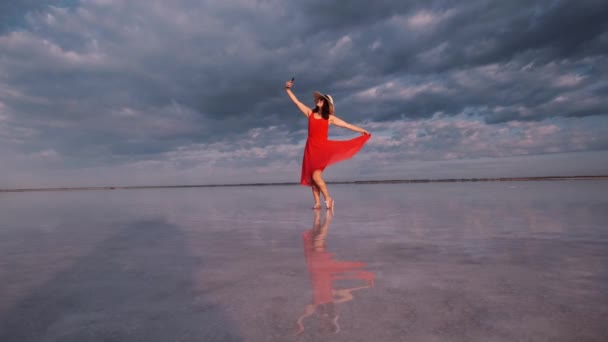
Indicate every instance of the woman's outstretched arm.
{"type": "Point", "coordinates": [341, 123]}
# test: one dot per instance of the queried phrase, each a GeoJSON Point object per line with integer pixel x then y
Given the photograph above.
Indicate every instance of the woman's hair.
{"type": "Point", "coordinates": [324, 110]}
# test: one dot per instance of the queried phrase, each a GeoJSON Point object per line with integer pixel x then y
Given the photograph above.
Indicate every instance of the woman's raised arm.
{"type": "Point", "coordinates": [302, 107]}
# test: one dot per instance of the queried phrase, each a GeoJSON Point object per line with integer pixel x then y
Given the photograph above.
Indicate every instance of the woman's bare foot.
{"type": "Point", "coordinates": [317, 206]}
{"type": "Point", "coordinates": [329, 203]}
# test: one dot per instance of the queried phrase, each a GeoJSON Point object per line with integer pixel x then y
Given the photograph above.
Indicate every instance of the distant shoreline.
{"type": "Point", "coordinates": [393, 181]}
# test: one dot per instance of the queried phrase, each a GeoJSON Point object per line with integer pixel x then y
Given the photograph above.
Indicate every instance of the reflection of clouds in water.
{"type": "Point", "coordinates": [480, 228]}
{"type": "Point", "coordinates": [136, 284]}
{"type": "Point", "coordinates": [479, 211]}
{"type": "Point", "coordinates": [483, 256]}
{"type": "Point", "coordinates": [45, 234]}
{"type": "Point", "coordinates": [325, 272]}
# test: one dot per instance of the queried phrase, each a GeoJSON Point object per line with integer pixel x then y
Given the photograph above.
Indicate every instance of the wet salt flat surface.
{"type": "Point", "coordinates": [503, 261]}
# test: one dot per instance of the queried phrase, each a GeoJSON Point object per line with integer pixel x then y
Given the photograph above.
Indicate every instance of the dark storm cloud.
{"type": "Point", "coordinates": [488, 32]}
{"type": "Point", "coordinates": [514, 36]}
{"type": "Point", "coordinates": [12, 13]}
{"type": "Point", "coordinates": [102, 81]}
{"type": "Point", "coordinates": [499, 92]}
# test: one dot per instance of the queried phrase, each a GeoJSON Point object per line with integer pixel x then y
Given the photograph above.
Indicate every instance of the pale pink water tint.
{"type": "Point", "coordinates": [493, 261]}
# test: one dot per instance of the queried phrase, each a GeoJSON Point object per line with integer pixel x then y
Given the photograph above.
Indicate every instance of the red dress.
{"type": "Point", "coordinates": [321, 152]}
{"type": "Point", "coordinates": [324, 270]}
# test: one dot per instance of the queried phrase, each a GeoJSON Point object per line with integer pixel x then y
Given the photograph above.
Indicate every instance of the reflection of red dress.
{"type": "Point", "coordinates": [323, 270]}
{"type": "Point", "coordinates": [321, 152]}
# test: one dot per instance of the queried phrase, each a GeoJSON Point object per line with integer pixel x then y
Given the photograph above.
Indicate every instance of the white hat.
{"type": "Point", "coordinates": [327, 98]}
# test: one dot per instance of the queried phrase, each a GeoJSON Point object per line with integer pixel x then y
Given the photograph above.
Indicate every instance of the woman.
{"type": "Point", "coordinates": [319, 151]}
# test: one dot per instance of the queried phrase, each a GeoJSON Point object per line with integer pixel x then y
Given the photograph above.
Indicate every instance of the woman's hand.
{"type": "Point", "coordinates": [288, 85]}
{"type": "Point", "coordinates": [364, 132]}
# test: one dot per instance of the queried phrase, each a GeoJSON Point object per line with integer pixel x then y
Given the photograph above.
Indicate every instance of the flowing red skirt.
{"type": "Point", "coordinates": [320, 153]}
{"type": "Point", "coordinates": [324, 270]}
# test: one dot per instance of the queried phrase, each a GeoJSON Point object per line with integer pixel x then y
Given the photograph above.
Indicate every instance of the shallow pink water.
{"type": "Point", "coordinates": [451, 262]}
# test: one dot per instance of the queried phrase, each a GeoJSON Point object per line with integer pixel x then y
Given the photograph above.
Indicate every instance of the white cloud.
{"type": "Point", "coordinates": [422, 19]}
{"type": "Point", "coordinates": [569, 80]}
{"type": "Point", "coordinates": [460, 137]}
{"type": "Point", "coordinates": [47, 154]}
{"type": "Point", "coordinates": [392, 90]}
{"type": "Point", "coordinates": [343, 45]}
{"type": "Point", "coordinates": [426, 19]}
{"type": "Point", "coordinates": [376, 45]}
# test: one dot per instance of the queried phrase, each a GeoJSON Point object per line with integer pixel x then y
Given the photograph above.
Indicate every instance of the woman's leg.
{"type": "Point", "coordinates": [318, 180]}
{"type": "Point", "coordinates": [316, 194]}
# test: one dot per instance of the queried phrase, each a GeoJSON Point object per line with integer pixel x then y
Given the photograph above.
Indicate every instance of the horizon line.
{"type": "Point", "coordinates": [386, 181]}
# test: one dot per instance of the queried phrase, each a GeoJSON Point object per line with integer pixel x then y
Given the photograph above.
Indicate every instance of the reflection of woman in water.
{"type": "Point", "coordinates": [323, 271]}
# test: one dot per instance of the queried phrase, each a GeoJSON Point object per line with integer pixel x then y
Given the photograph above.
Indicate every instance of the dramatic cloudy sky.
{"type": "Point", "coordinates": [132, 92]}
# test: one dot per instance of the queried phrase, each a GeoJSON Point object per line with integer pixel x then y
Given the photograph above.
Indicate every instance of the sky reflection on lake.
{"type": "Point", "coordinates": [422, 262]}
